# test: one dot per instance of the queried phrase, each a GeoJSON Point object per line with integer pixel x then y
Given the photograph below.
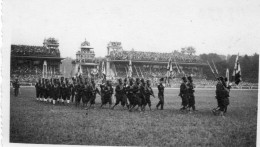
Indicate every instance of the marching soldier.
{"type": "Point", "coordinates": [50, 91]}
{"type": "Point", "coordinates": [142, 94]}
{"type": "Point", "coordinates": [86, 93]}
{"type": "Point", "coordinates": [160, 94]}
{"type": "Point", "coordinates": [148, 92]}
{"type": "Point", "coordinates": [130, 94]}
{"type": "Point", "coordinates": [120, 94]}
{"type": "Point", "coordinates": [16, 86]}
{"type": "Point", "coordinates": [73, 89]}
{"type": "Point", "coordinates": [102, 92]}
{"type": "Point", "coordinates": [190, 91]}
{"type": "Point", "coordinates": [37, 88]}
{"type": "Point", "coordinates": [183, 94]}
{"type": "Point", "coordinates": [56, 91]}
{"type": "Point", "coordinates": [108, 91]}
{"type": "Point", "coordinates": [67, 91]}
{"type": "Point", "coordinates": [136, 100]}
{"type": "Point", "coordinates": [125, 93]}
{"type": "Point", "coordinates": [42, 90]}
{"type": "Point", "coordinates": [222, 94]}
{"type": "Point", "coordinates": [79, 92]}
{"type": "Point", "coordinates": [93, 92]}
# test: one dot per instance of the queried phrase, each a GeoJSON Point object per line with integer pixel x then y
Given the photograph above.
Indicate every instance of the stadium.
{"type": "Point", "coordinates": [29, 63]}
{"type": "Point", "coordinates": [103, 126]}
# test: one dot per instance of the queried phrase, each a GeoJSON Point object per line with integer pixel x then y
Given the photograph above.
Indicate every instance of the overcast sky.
{"type": "Point", "coordinates": [218, 26]}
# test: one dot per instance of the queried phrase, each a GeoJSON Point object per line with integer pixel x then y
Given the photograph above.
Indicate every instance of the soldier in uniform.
{"type": "Point", "coordinates": [148, 92]}
{"type": "Point", "coordinates": [37, 88]}
{"type": "Point", "coordinates": [67, 91]}
{"type": "Point", "coordinates": [79, 92]}
{"type": "Point", "coordinates": [16, 86]}
{"type": "Point", "coordinates": [160, 94]}
{"type": "Point", "coordinates": [129, 93]}
{"type": "Point", "coordinates": [102, 93]}
{"type": "Point", "coordinates": [50, 91]}
{"type": "Point", "coordinates": [190, 91]}
{"type": "Point", "coordinates": [120, 93]}
{"type": "Point", "coordinates": [108, 91]}
{"type": "Point", "coordinates": [93, 92]}
{"type": "Point", "coordinates": [73, 89]}
{"type": "Point", "coordinates": [142, 94]}
{"type": "Point", "coordinates": [184, 94]}
{"type": "Point", "coordinates": [42, 89]}
{"type": "Point", "coordinates": [125, 93]}
{"type": "Point", "coordinates": [222, 94]}
{"type": "Point", "coordinates": [46, 90]}
{"type": "Point", "coordinates": [56, 91]}
{"type": "Point", "coordinates": [86, 93]}
{"type": "Point", "coordinates": [136, 100]}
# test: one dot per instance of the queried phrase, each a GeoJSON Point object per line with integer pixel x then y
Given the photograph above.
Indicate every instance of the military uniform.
{"type": "Point", "coordinates": [136, 100]}
{"type": "Point", "coordinates": [79, 93]}
{"type": "Point", "coordinates": [160, 95]}
{"type": "Point", "coordinates": [16, 86]}
{"type": "Point", "coordinates": [93, 90]}
{"type": "Point", "coordinates": [222, 95]}
{"type": "Point", "coordinates": [56, 91]}
{"type": "Point", "coordinates": [184, 93]}
{"type": "Point", "coordinates": [190, 91]}
{"type": "Point", "coordinates": [37, 89]}
{"type": "Point", "coordinates": [108, 91]}
{"type": "Point", "coordinates": [120, 94]}
{"type": "Point", "coordinates": [148, 92]}
{"type": "Point", "coordinates": [129, 93]}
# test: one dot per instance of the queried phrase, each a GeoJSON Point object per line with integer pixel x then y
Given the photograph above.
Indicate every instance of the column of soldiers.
{"type": "Point", "coordinates": [131, 94]}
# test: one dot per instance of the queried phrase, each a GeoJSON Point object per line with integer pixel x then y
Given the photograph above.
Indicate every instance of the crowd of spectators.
{"type": "Point", "coordinates": [153, 56]}
{"type": "Point", "coordinates": [28, 74]}
{"type": "Point", "coordinates": [25, 50]}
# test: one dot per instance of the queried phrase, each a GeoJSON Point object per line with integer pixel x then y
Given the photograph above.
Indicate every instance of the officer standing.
{"type": "Point", "coordinates": [184, 94]}
{"type": "Point", "coordinates": [37, 88]}
{"type": "Point", "coordinates": [160, 94]}
{"type": "Point", "coordinates": [16, 86]}
{"type": "Point", "coordinates": [190, 90]}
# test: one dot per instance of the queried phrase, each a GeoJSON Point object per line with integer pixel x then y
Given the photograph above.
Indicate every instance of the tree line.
{"type": "Point", "coordinates": [249, 65]}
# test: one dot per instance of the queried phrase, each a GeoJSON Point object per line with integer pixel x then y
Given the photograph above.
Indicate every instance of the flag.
{"type": "Point", "coordinates": [79, 71]}
{"type": "Point", "coordinates": [103, 70]}
{"type": "Point", "coordinates": [169, 67]}
{"type": "Point", "coordinates": [227, 75]}
{"type": "Point", "coordinates": [215, 67]}
{"type": "Point", "coordinates": [130, 70]}
{"type": "Point", "coordinates": [237, 71]}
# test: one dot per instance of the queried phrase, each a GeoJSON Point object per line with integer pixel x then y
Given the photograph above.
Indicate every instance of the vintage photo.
{"type": "Point", "coordinates": [130, 73]}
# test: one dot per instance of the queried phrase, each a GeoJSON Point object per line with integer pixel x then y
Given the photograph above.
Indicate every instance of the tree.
{"type": "Point", "coordinates": [190, 50]}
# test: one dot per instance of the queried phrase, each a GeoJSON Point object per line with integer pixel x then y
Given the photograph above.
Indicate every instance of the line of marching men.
{"type": "Point", "coordinates": [128, 92]}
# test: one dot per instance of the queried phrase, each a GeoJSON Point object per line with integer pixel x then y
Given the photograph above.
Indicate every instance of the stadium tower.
{"type": "Point", "coordinates": [28, 63]}
{"type": "Point", "coordinates": [85, 63]}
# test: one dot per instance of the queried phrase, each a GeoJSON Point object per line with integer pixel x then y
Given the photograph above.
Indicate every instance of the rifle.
{"type": "Point", "coordinates": [216, 77]}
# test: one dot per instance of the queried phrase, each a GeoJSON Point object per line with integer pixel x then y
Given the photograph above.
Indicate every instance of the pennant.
{"type": "Point", "coordinates": [237, 72]}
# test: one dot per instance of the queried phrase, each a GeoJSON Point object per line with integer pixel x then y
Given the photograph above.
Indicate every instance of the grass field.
{"type": "Point", "coordinates": [36, 122]}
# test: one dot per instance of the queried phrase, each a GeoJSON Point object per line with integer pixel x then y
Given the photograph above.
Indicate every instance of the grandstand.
{"type": "Point", "coordinates": [85, 63]}
{"type": "Point", "coordinates": [28, 63]}
{"type": "Point", "coordinates": [152, 64]}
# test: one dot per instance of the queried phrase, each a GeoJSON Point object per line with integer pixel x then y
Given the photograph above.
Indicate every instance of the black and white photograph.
{"type": "Point", "coordinates": [130, 73]}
